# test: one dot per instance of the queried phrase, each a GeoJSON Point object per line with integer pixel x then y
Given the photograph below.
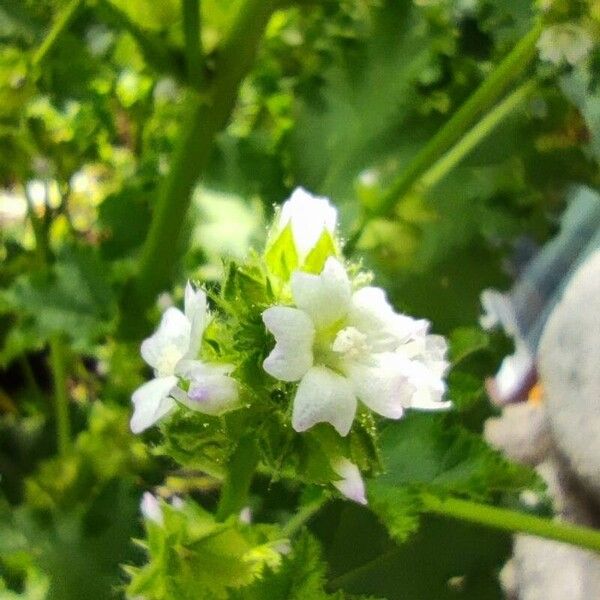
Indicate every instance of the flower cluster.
{"type": "Point", "coordinates": [343, 346]}
{"type": "Point", "coordinates": [338, 339]}
{"type": "Point", "coordinates": [173, 354]}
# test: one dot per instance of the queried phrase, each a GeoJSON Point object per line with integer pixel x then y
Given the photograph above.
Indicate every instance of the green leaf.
{"type": "Point", "coordinates": [190, 553]}
{"type": "Point", "coordinates": [430, 453]}
{"type": "Point", "coordinates": [324, 248]}
{"type": "Point", "coordinates": [73, 297]}
{"type": "Point", "coordinates": [281, 256]}
{"type": "Point", "coordinates": [445, 560]}
{"type": "Point", "coordinates": [301, 576]}
{"type": "Point", "coordinates": [465, 341]}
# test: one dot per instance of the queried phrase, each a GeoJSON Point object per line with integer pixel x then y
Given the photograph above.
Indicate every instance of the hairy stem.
{"type": "Point", "coordinates": [206, 114]}
{"type": "Point", "coordinates": [62, 21]}
{"type": "Point", "coordinates": [508, 71]}
{"type": "Point", "coordinates": [61, 396]}
{"type": "Point", "coordinates": [513, 521]}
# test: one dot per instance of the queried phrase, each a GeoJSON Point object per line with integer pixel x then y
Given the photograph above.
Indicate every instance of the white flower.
{"type": "Point", "coordinates": [351, 483]}
{"type": "Point", "coordinates": [565, 43]}
{"type": "Point", "coordinates": [345, 346]}
{"type": "Point", "coordinates": [151, 509]}
{"type": "Point", "coordinates": [172, 352]}
{"type": "Point", "coordinates": [309, 216]}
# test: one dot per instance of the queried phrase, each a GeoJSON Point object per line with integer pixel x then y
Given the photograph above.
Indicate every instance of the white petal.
{"type": "Point", "coordinates": [169, 343]}
{"type": "Point", "coordinates": [324, 397]}
{"type": "Point", "coordinates": [309, 216]}
{"type": "Point", "coordinates": [196, 313]}
{"type": "Point", "coordinates": [371, 313]}
{"type": "Point", "coordinates": [294, 336]}
{"type": "Point", "coordinates": [195, 369]}
{"type": "Point", "coordinates": [325, 297]}
{"type": "Point", "coordinates": [351, 483]}
{"type": "Point", "coordinates": [429, 387]}
{"type": "Point", "coordinates": [213, 394]}
{"type": "Point", "coordinates": [383, 384]}
{"type": "Point", "coordinates": [151, 402]}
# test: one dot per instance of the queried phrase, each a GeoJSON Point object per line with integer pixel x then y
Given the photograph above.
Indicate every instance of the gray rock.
{"type": "Point", "coordinates": [569, 367]}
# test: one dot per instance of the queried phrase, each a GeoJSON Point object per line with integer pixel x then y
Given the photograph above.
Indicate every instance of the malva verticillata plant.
{"type": "Point", "coordinates": [293, 432]}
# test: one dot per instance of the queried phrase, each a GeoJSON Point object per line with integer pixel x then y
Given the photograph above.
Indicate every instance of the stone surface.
{"type": "Point", "coordinates": [569, 367]}
{"type": "Point", "coordinates": [546, 570]}
{"type": "Point", "coordinates": [521, 432]}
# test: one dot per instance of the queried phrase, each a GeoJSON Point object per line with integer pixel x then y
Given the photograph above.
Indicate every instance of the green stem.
{"type": "Point", "coordinates": [240, 472]}
{"type": "Point", "coordinates": [62, 21]}
{"type": "Point", "coordinates": [206, 116]}
{"type": "Point", "coordinates": [473, 137]}
{"type": "Point", "coordinates": [497, 82]}
{"type": "Point", "coordinates": [61, 396]}
{"type": "Point", "coordinates": [193, 42]}
{"type": "Point", "coordinates": [514, 522]}
{"type": "Point", "coordinates": [304, 514]}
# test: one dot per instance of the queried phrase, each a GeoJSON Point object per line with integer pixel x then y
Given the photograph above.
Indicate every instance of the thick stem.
{"type": "Point", "coordinates": [61, 396]}
{"type": "Point", "coordinates": [62, 21]}
{"type": "Point", "coordinates": [193, 41]}
{"type": "Point", "coordinates": [206, 115]}
{"type": "Point", "coordinates": [509, 70]}
{"type": "Point", "coordinates": [240, 472]}
{"type": "Point", "coordinates": [513, 521]}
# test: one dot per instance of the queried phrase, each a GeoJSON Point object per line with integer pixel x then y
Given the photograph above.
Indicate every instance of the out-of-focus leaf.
{"type": "Point", "coordinates": [73, 298]}
{"type": "Point", "coordinates": [444, 560]}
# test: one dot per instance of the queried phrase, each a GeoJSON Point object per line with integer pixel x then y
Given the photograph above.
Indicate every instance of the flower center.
{"type": "Point", "coordinates": [351, 343]}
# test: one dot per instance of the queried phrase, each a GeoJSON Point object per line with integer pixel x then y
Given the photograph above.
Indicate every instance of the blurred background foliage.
{"type": "Point", "coordinates": [340, 97]}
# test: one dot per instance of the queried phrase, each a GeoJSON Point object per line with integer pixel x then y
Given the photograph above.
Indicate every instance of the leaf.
{"type": "Point", "coordinates": [444, 560]}
{"type": "Point", "coordinates": [74, 297]}
{"type": "Point", "coordinates": [301, 576]}
{"type": "Point", "coordinates": [190, 553]}
{"type": "Point", "coordinates": [465, 341]}
{"type": "Point", "coordinates": [80, 511]}
{"type": "Point", "coordinates": [323, 249]}
{"type": "Point", "coordinates": [281, 256]}
{"type": "Point", "coordinates": [430, 453]}
{"type": "Point", "coordinates": [434, 452]}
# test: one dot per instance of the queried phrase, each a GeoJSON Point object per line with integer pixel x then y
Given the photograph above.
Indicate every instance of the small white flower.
{"type": "Point", "coordinates": [309, 216]}
{"type": "Point", "coordinates": [343, 346]}
{"type": "Point", "coordinates": [151, 509]}
{"type": "Point", "coordinates": [351, 483]}
{"type": "Point", "coordinates": [565, 43]}
{"type": "Point", "coordinates": [245, 515]}
{"type": "Point", "coordinates": [172, 352]}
